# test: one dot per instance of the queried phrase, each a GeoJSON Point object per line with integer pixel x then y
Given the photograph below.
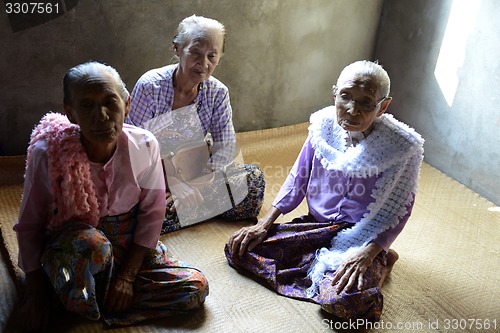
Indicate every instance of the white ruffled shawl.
{"type": "Point", "coordinates": [393, 151]}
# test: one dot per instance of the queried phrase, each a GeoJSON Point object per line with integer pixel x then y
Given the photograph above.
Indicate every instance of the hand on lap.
{"type": "Point", "coordinates": [184, 196]}
{"type": "Point", "coordinates": [246, 239]}
{"type": "Point", "coordinates": [120, 295]}
{"type": "Point", "coordinates": [351, 272]}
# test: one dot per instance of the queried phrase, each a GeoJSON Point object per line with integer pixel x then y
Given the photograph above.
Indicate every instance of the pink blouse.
{"type": "Point", "coordinates": [133, 175]}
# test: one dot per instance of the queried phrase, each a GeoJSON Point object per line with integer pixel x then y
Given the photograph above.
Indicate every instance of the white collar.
{"type": "Point", "coordinates": [389, 142]}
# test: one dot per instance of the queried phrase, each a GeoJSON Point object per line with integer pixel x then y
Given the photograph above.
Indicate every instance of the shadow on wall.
{"type": "Point", "coordinates": [21, 16]}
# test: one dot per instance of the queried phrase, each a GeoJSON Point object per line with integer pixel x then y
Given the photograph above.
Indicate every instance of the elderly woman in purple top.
{"type": "Point", "coordinates": [171, 91]}
{"type": "Point", "coordinates": [358, 171]}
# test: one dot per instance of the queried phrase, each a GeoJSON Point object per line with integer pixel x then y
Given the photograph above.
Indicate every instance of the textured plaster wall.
{"type": "Point", "coordinates": [462, 139]}
{"type": "Point", "coordinates": [281, 56]}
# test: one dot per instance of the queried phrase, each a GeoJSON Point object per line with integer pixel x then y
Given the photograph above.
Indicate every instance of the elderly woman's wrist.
{"type": "Point", "coordinates": [267, 220]}
{"type": "Point", "coordinates": [126, 277]}
{"type": "Point", "coordinates": [373, 250]}
{"type": "Point", "coordinates": [265, 223]}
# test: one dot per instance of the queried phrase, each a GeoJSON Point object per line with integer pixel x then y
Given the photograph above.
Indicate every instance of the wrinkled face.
{"type": "Point", "coordinates": [98, 108]}
{"type": "Point", "coordinates": [199, 58]}
{"type": "Point", "coordinates": [358, 103]}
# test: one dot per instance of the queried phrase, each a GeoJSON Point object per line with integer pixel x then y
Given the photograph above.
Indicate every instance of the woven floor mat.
{"type": "Point", "coordinates": [447, 273]}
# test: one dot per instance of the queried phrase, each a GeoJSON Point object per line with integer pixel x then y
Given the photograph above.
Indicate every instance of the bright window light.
{"type": "Point", "coordinates": [451, 57]}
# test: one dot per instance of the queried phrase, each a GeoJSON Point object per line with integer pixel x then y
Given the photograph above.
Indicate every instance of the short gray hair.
{"type": "Point", "coordinates": [196, 27]}
{"type": "Point", "coordinates": [367, 68]}
{"type": "Point", "coordinates": [83, 71]}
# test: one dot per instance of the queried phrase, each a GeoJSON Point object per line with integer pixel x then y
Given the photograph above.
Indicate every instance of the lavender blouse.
{"type": "Point", "coordinates": [331, 195]}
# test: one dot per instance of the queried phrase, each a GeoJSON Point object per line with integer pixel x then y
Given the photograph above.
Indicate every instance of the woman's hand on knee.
{"type": "Point", "coordinates": [348, 274]}
{"type": "Point", "coordinates": [351, 271]}
{"type": "Point", "coordinates": [184, 196]}
{"type": "Point", "coordinates": [249, 237]}
{"type": "Point", "coordinates": [246, 239]}
{"type": "Point", "coordinates": [120, 295]}
{"type": "Point", "coordinates": [170, 203]}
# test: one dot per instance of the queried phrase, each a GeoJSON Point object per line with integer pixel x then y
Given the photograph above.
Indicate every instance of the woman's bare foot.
{"type": "Point", "coordinates": [391, 256]}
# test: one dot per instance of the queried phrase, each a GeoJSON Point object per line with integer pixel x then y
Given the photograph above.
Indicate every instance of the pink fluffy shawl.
{"type": "Point", "coordinates": [69, 169]}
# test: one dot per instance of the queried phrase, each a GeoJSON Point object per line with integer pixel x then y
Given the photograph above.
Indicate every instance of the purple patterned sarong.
{"type": "Point", "coordinates": [284, 257]}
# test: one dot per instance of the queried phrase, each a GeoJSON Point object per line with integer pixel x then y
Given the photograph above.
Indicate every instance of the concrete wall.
{"type": "Point", "coordinates": [281, 57]}
{"type": "Point", "coordinates": [452, 99]}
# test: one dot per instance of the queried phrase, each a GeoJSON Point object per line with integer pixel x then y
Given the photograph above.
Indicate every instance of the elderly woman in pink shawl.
{"type": "Point", "coordinates": [92, 210]}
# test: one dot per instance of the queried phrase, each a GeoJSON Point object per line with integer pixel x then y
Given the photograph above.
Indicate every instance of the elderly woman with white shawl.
{"type": "Point", "coordinates": [358, 171]}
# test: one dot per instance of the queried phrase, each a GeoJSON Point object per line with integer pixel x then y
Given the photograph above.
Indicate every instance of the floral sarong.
{"type": "Point", "coordinates": [284, 257]}
{"type": "Point", "coordinates": [240, 178]}
{"type": "Point", "coordinates": [237, 191]}
{"type": "Point", "coordinates": [80, 261]}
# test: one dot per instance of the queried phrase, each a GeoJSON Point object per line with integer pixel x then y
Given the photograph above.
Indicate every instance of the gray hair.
{"type": "Point", "coordinates": [196, 27]}
{"type": "Point", "coordinates": [83, 71]}
{"type": "Point", "coordinates": [365, 68]}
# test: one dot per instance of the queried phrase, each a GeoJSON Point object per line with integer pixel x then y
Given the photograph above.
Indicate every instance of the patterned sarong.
{"type": "Point", "coordinates": [80, 261]}
{"type": "Point", "coordinates": [240, 178]}
{"type": "Point", "coordinates": [236, 193]}
{"type": "Point", "coordinates": [284, 257]}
